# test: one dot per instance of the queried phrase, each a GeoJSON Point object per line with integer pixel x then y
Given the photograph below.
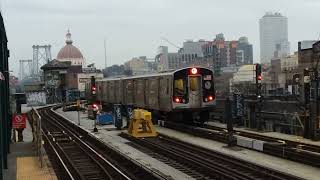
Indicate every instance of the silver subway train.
{"type": "Point", "coordinates": [186, 94]}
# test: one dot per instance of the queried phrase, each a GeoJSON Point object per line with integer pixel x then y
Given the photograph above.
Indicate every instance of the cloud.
{"type": "Point", "coordinates": [134, 27]}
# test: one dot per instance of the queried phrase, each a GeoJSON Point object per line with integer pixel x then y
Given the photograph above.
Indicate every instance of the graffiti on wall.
{"type": "Point", "coordinates": [36, 98]}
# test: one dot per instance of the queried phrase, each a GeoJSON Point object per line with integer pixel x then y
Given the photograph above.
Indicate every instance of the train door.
{"type": "Point", "coordinates": [195, 95]}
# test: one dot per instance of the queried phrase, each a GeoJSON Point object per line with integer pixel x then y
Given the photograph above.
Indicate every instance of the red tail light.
{"type": "Point", "coordinates": [177, 100]}
{"type": "Point", "coordinates": [208, 98]}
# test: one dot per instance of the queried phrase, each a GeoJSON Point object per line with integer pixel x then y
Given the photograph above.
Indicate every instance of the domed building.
{"type": "Point", "coordinates": [65, 76]}
{"type": "Point", "coordinates": [70, 53]}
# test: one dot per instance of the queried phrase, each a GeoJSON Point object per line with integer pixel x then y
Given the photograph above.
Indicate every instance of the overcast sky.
{"type": "Point", "coordinates": [134, 27]}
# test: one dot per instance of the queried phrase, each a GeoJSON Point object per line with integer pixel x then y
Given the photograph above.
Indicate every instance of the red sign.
{"type": "Point", "coordinates": [19, 121]}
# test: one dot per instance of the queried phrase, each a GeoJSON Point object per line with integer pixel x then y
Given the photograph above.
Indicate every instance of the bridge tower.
{"type": "Point", "coordinates": [25, 68]}
{"type": "Point", "coordinates": [41, 56]}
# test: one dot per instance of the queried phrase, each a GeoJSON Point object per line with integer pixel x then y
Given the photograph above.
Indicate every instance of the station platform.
{"type": "Point", "coordinates": [109, 135]}
{"type": "Point", "coordinates": [271, 134]}
{"type": "Point", "coordinates": [23, 164]}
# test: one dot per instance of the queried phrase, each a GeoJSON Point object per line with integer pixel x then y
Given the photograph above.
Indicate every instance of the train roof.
{"type": "Point", "coordinates": [163, 73]}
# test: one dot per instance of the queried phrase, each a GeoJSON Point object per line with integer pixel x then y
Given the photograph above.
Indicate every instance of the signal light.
{"type": "Point", "coordinates": [194, 71]}
{"type": "Point", "coordinates": [95, 107]}
{"type": "Point", "coordinates": [258, 73]}
{"type": "Point", "coordinates": [259, 78]}
{"type": "Point", "coordinates": [93, 89]}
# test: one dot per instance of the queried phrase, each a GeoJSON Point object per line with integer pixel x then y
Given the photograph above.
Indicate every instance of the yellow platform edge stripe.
{"type": "Point", "coordinates": [28, 169]}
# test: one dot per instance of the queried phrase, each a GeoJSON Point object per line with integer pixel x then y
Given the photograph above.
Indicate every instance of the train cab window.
{"type": "Point", "coordinates": [194, 83]}
{"type": "Point", "coordinates": [179, 86]}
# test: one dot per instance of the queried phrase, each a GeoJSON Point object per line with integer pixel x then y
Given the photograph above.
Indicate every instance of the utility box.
{"type": "Point", "coordinates": [105, 119]}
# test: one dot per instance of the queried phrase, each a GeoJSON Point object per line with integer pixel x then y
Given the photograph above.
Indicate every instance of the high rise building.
{"type": "Point", "coordinates": [273, 37]}
{"type": "Point", "coordinates": [228, 53]}
{"type": "Point", "coordinates": [186, 56]}
{"type": "Point", "coordinates": [244, 52]}
{"type": "Point", "coordinates": [191, 50]}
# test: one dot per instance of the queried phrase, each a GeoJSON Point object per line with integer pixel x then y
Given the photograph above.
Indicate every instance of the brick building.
{"type": "Point", "coordinates": [305, 54]}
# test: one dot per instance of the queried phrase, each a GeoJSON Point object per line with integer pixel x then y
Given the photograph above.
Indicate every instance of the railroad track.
{"type": "Point", "coordinates": [77, 155]}
{"type": "Point", "coordinates": [301, 145]}
{"type": "Point", "coordinates": [201, 163]}
{"type": "Point", "coordinates": [298, 152]}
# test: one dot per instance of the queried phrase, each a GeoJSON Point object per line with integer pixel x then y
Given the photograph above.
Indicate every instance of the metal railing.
{"type": "Point", "coordinates": [37, 134]}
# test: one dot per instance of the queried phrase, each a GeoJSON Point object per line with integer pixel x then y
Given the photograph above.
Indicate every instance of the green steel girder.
{"type": "Point", "coordinates": [5, 120]}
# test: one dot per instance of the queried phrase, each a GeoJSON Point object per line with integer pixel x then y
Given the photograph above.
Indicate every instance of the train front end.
{"type": "Point", "coordinates": [193, 88]}
{"type": "Point", "coordinates": [193, 93]}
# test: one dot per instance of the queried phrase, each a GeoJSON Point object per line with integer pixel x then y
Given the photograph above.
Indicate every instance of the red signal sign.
{"type": "Point", "coordinates": [19, 121]}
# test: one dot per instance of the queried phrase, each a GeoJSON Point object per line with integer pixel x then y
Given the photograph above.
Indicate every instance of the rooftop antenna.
{"type": "Point", "coordinates": [105, 54]}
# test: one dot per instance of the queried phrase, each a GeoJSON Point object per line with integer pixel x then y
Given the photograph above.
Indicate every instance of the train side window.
{"type": "Point", "coordinates": [194, 83]}
{"type": "Point", "coordinates": [163, 84]}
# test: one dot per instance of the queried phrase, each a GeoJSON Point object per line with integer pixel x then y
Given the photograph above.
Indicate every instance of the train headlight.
{"type": "Point", "coordinates": [194, 71]}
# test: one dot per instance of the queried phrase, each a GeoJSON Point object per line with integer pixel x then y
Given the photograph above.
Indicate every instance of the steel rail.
{"type": "Point", "coordinates": [66, 169]}
{"type": "Point", "coordinates": [133, 169]}
{"type": "Point", "coordinates": [304, 146]}
{"type": "Point", "coordinates": [252, 167]}
{"type": "Point", "coordinates": [207, 162]}
{"type": "Point", "coordinates": [89, 151]}
{"type": "Point", "coordinates": [275, 147]}
{"type": "Point", "coordinates": [98, 154]}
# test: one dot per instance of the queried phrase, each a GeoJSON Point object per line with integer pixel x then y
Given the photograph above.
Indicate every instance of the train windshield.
{"type": "Point", "coordinates": [179, 86]}
{"type": "Point", "coordinates": [180, 83]}
{"type": "Point", "coordinates": [194, 83]}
